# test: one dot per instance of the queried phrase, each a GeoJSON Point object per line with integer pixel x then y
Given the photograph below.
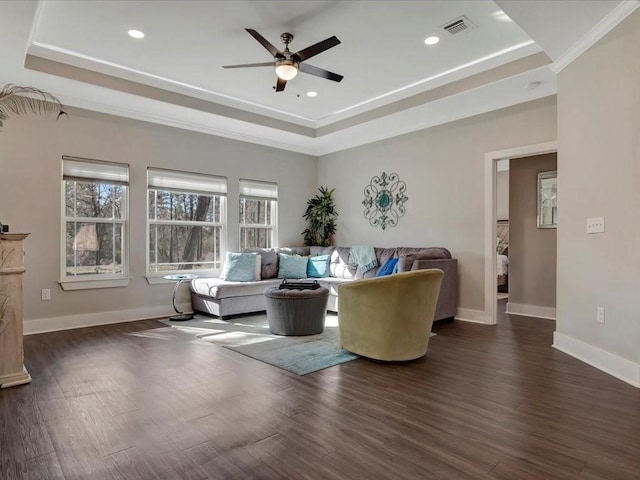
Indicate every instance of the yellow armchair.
{"type": "Point", "coordinates": [389, 318]}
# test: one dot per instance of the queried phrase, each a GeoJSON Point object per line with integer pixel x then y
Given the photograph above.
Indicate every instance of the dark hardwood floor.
{"type": "Point", "coordinates": [143, 401]}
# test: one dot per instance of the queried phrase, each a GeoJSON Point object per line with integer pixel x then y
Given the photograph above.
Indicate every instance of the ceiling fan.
{"type": "Point", "coordinates": [288, 64]}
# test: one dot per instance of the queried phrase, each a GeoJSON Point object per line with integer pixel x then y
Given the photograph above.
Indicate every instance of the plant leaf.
{"type": "Point", "coordinates": [17, 100]}
{"type": "Point", "coordinates": [320, 216]}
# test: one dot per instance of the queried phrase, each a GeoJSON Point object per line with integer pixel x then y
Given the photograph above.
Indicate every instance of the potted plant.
{"type": "Point", "coordinates": [321, 218]}
{"type": "Point", "coordinates": [18, 100]}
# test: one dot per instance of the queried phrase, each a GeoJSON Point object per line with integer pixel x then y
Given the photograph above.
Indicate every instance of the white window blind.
{"type": "Point", "coordinates": [258, 190]}
{"type": "Point", "coordinates": [81, 169]}
{"type": "Point", "coordinates": [172, 180]}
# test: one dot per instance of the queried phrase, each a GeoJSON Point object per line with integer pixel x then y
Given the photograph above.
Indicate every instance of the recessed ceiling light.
{"type": "Point", "coordinates": [312, 94]}
{"type": "Point", "coordinates": [136, 34]}
{"type": "Point", "coordinates": [501, 16]}
{"type": "Point", "coordinates": [431, 40]}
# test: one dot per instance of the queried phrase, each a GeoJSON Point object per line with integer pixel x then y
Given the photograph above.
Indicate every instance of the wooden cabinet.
{"type": "Point", "coordinates": [12, 370]}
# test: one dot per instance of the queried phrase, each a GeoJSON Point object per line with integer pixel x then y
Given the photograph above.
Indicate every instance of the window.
{"type": "Point", "coordinates": [95, 197]}
{"type": "Point", "coordinates": [258, 214]}
{"type": "Point", "coordinates": [186, 220]}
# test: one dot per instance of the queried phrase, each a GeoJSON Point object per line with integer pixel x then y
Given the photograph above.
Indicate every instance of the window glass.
{"type": "Point", "coordinates": [185, 228]}
{"type": "Point", "coordinates": [258, 205]}
{"type": "Point", "coordinates": [94, 218]}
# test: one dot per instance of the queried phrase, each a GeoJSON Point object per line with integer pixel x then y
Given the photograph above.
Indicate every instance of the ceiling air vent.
{"type": "Point", "coordinates": [459, 25]}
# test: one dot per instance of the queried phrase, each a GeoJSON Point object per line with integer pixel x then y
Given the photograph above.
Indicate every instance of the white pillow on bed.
{"type": "Point", "coordinates": [501, 245]}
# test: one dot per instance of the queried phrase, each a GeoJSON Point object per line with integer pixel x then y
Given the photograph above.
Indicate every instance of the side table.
{"type": "Point", "coordinates": [181, 316]}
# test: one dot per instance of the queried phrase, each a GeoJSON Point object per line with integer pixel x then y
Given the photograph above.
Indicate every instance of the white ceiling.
{"type": "Point", "coordinates": [393, 82]}
{"type": "Point", "coordinates": [382, 47]}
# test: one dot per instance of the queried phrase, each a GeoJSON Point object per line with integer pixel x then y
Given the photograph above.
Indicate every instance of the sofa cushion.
{"type": "Point", "coordinates": [341, 265]}
{"type": "Point", "coordinates": [408, 255]}
{"type": "Point", "coordinates": [316, 251]}
{"type": "Point", "coordinates": [302, 251]}
{"type": "Point", "coordinates": [218, 288]}
{"type": "Point", "coordinates": [268, 261]}
{"type": "Point", "coordinates": [383, 255]}
{"type": "Point", "coordinates": [318, 266]}
{"type": "Point", "coordinates": [241, 267]}
{"type": "Point", "coordinates": [332, 284]}
{"type": "Point", "coordinates": [292, 266]}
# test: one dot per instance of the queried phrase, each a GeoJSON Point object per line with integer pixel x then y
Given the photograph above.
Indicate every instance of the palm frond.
{"type": "Point", "coordinates": [18, 100]}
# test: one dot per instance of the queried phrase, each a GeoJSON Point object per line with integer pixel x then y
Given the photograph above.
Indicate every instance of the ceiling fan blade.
{"type": "Point", "coordinates": [280, 85]}
{"type": "Point", "coordinates": [315, 49]}
{"type": "Point", "coordinates": [245, 65]}
{"type": "Point", "coordinates": [265, 43]}
{"type": "Point", "coordinates": [319, 72]}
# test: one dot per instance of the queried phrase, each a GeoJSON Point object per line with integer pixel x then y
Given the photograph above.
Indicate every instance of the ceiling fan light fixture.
{"type": "Point", "coordinates": [287, 63]}
{"type": "Point", "coordinates": [286, 70]}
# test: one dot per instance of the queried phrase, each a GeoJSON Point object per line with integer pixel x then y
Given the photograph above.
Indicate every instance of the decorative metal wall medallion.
{"type": "Point", "coordinates": [384, 200]}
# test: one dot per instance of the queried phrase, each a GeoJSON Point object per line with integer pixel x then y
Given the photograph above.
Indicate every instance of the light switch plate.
{"type": "Point", "coordinates": [595, 225]}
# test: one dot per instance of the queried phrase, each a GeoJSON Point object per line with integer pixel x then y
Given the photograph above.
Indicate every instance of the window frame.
{"type": "Point", "coordinates": [158, 277]}
{"type": "Point", "coordinates": [100, 280]}
{"type": "Point", "coordinates": [253, 192]}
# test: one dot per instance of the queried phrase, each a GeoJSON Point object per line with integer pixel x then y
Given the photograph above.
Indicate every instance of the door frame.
{"type": "Point", "coordinates": [490, 217]}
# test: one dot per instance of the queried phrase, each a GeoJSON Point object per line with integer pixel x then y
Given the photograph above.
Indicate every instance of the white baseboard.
{"type": "Point", "coordinates": [474, 316]}
{"type": "Point", "coordinates": [537, 311]}
{"type": "Point", "coordinates": [608, 362]}
{"type": "Point", "coordinates": [53, 324]}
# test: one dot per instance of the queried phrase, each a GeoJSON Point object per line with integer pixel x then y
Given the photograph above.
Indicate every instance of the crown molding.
{"type": "Point", "coordinates": [253, 134]}
{"type": "Point", "coordinates": [604, 26]}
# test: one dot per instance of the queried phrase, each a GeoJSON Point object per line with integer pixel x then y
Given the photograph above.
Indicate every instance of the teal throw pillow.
{"type": "Point", "coordinates": [240, 267]}
{"type": "Point", "coordinates": [318, 267]}
{"type": "Point", "coordinates": [292, 266]}
{"type": "Point", "coordinates": [388, 268]}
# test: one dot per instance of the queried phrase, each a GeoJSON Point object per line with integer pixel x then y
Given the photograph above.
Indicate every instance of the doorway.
{"type": "Point", "coordinates": [491, 162]}
{"type": "Point", "coordinates": [502, 236]}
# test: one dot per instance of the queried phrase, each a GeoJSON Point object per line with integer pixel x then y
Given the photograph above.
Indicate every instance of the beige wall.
{"type": "Point", "coordinates": [532, 250]}
{"type": "Point", "coordinates": [30, 167]}
{"type": "Point", "coordinates": [502, 195]}
{"type": "Point", "coordinates": [599, 175]}
{"type": "Point", "coordinates": [443, 168]}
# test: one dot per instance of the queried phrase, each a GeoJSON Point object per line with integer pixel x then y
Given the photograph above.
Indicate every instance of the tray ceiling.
{"type": "Point", "coordinates": [81, 52]}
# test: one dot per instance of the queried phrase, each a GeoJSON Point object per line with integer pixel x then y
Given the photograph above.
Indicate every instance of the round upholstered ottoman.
{"type": "Point", "coordinates": [296, 312]}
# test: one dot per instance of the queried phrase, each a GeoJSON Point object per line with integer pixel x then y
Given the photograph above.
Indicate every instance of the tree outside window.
{"type": "Point", "coordinates": [258, 214]}
{"type": "Point", "coordinates": [95, 218]}
{"type": "Point", "coordinates": [185, 228]}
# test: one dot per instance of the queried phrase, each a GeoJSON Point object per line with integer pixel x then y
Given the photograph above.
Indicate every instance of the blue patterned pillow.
{"type": "Point", "coordinates": [318, 266]}
{"type": "Point", "coordinates": [292, 266]}
{"type": "Point", "coordinates": [240, 267]}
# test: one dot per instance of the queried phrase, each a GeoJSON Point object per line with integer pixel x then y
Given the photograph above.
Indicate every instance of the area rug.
{"type": "Point", "coordinates": [250, 336]}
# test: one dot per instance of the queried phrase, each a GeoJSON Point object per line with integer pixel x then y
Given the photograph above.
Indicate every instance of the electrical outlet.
{"type": "Point", "coordinates": [595, 225]}
{"type": "Point", "coordinates": [45, 294]}
{"type": "Point", "coordinates": [600, 314]}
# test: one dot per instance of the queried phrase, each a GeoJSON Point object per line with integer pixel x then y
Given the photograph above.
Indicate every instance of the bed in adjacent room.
{"type": "Point", "coordinates": [502, 248]}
